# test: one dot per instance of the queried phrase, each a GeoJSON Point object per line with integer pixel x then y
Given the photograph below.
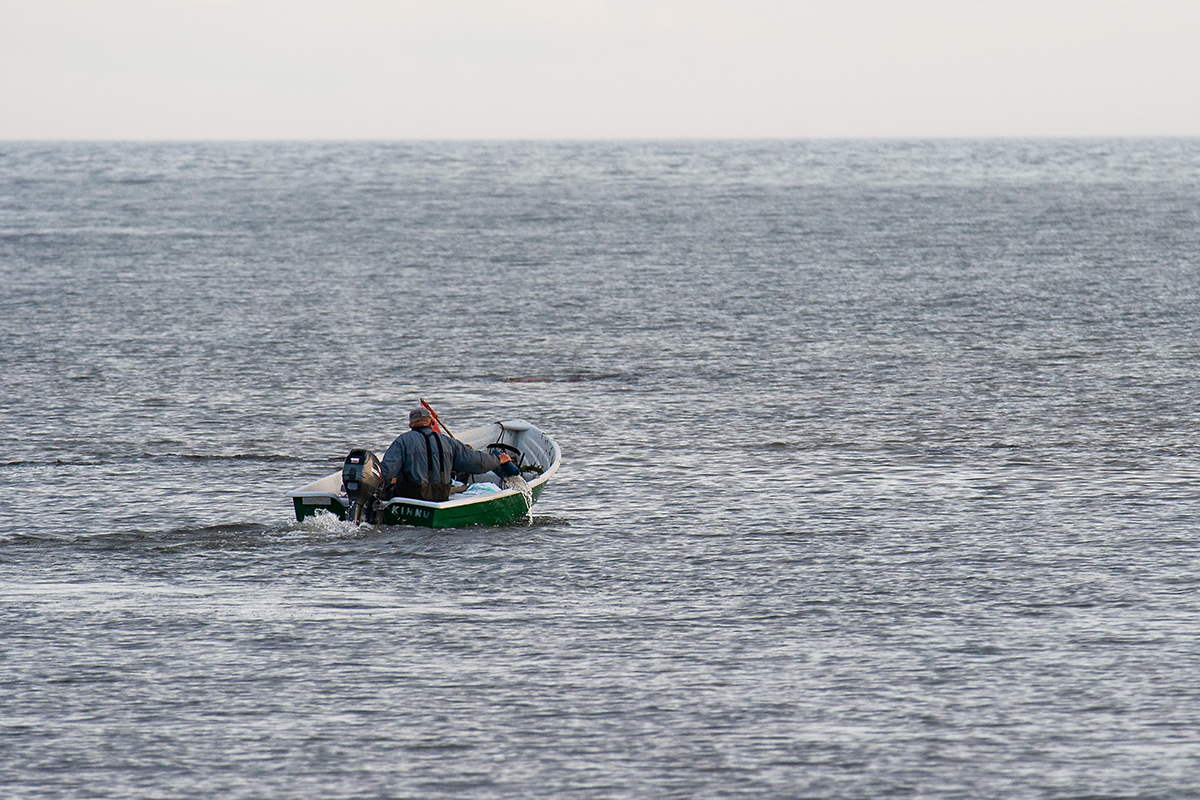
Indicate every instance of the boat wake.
{"type": "Point", "coordinates": [325, 524]}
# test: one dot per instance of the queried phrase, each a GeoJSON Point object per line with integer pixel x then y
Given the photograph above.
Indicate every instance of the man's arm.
{"type": "Point", "coordinates": [392, 461]}
{"type": "Point", "coordinates": [474, 461]}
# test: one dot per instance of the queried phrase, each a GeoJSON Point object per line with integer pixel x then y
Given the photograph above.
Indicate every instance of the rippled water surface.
{"type": "Point", "coordinates": [880, 469]}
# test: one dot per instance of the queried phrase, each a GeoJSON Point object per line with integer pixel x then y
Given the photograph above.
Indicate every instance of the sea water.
{"type": "Point", "coordinates": [880, 469]}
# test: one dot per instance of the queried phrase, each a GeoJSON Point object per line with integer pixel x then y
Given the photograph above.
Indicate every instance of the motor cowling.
{"type": "Point", "coordinates": [362, 477]}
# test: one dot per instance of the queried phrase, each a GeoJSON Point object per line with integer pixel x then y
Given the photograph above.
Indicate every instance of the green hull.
{"type": "Point", "coordinates": [500, 510]}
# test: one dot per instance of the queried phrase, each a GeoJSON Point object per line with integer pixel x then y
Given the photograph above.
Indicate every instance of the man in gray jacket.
{"type": "Point", "coordinates": [421, 460]}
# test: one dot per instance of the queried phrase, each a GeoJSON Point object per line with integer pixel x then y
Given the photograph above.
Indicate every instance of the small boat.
{"type": "Point", "coordinates": [486, 499]}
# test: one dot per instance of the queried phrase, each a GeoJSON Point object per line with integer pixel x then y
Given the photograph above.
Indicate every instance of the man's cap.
{"type": "Point", "coordinates": [419, 413]}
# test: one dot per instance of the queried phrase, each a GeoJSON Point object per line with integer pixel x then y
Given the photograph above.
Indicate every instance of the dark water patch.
{"type": "Point", "coordinates": [572, 378]}
{"type": "Point", "coordinates": [267, 458]}
{"type": "Point", "coordinates": [219, 535]}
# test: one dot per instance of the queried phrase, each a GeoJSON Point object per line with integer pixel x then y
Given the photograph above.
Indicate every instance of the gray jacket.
{"type": "Point", "coordinates": [408, 458]}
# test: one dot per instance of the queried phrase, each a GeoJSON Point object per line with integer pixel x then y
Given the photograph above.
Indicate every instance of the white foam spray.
{"type": "Point", "coordinates": [327, 524]}
{"type": "Point", "coordinates": [521, 486]}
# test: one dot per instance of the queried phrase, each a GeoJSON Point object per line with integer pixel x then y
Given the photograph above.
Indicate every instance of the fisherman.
{"type": "Point", "coordinates": [421, 460]}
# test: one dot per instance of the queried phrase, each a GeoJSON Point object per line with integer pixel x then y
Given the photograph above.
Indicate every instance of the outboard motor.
{"type": "Point", "coordinates": [361, 478]}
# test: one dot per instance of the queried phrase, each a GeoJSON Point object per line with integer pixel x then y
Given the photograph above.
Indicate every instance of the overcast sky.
{"type": "Point", "coordinates": [488, 69]}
